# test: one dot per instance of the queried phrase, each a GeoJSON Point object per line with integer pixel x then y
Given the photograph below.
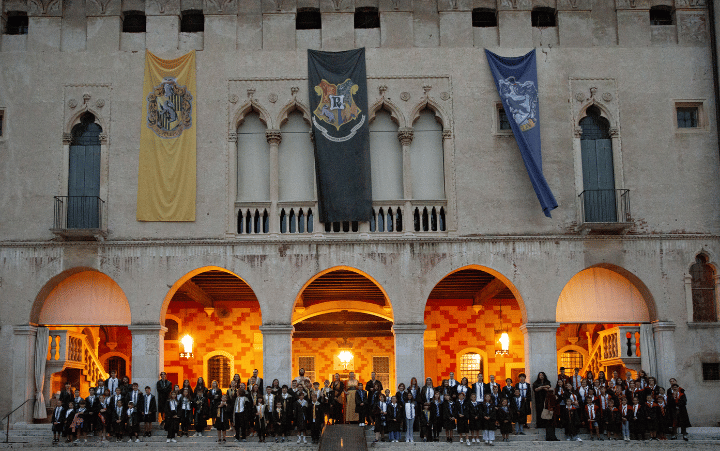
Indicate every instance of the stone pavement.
{"type": "Point", "coordinates": [39, 436]}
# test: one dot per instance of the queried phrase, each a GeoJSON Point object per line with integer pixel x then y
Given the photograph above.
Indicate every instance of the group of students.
{"type": "Point", "coordinates": [630, 408]}
{"type": "Point", "coordinates": [103, 413]}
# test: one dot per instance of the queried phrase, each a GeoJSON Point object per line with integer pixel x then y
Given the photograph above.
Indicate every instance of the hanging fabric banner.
{"type": "Point", "coordinates": [338, 100]}
{"type": "Point", "coordinates": [166, 174]}
{"type": "Point", "coordinates": [516, 82]}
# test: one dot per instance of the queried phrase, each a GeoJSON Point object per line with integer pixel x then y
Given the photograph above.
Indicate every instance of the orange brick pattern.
{"type": "Point", "coordinates": [234, 334]}
{"type": "Point", "coordinates": [457, 326]}
{"type": "Point", "coordinates": [325, 349]}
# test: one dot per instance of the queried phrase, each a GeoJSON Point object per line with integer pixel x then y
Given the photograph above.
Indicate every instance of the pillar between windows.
{"type": "Point", "coordinates": [409, 352]}
{"type": "Point", "coordinates": [277, 352]}
{"type": "Point", "coordinates": [274, 138]}
{"type": "Point", "coordinates": [148, 354]}
{"type": "Point", "coordinates": [405, 136]}
{"type": "Point", "coordinates": [449, 174]}
{"type": "Point", "coordinates": [663, 333]}
{"type": "Point", "coordinates": [23, 372]}
{"type": "Point", "coordinates": [688, 297]}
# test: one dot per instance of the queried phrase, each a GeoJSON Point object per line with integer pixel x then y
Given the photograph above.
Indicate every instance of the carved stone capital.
{"type": "Point", "coordinates": [405, 135]}
{"type": "Point", "coordinates": [273, 137]}
{"type": "Point", "coordinates": [232, 137]}
{"type": "Point", "coordinates": [614, 132]}
{"type": "Point", "coordinates": [577, 131]}
{"type": "Point", "coordinates": [103, 138]}
{"type": "Point", "coordinates": [447, 134]}
{"type": "Point", "coordinates": [67, 138]}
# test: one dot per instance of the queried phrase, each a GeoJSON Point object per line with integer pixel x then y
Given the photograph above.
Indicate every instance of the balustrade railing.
{"type": "Point", "coordinates": [297, 218]}
{"type": "Point", "coordinates": [72, 350]}
{"type": "Point", "coordinates": [618, 345]}
{"type": "Point", "coordinates": [79, 217]}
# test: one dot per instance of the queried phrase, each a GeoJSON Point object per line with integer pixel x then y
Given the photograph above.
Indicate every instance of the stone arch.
{"type": "Point", "coordinates": [189, 275]}
{"type": "Point", "coordinates": [616, 279]}
{"type": "Point", "coordinates": [251, 106]}
{"type": "Point", "coordinates": [511, 286]}
{"type": "Point", "coordinates": [440, 115]}
{"type": "Point", "coordinates": [711, 259]}
{"type": "Point", "coordinates": [75, 119]}
{"type": "Point", "coordinates": [293, 105]}
{"type": "Point", "coordinates": [604, 112]}
{"type": "Point", "coordinates": [87, 286]}
{"type": "Point", "coordinates": [385, 314]}
{"type": "Point", "coordinates": [395, 113]}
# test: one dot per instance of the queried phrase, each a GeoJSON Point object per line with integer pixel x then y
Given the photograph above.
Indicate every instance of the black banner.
{"type": "Point", "coordinates": [339, 104]}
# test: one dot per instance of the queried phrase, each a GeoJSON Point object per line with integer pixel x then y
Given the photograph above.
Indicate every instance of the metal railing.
{"type": "Point", "coordinates": [78, 212]}
{"type": "Point", "coordinates": [605, 205]}
{"type": "Point", "coordinates": [6, 418]}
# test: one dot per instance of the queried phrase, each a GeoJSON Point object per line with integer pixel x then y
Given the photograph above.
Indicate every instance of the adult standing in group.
{"type": "Point", "coordinates": [370, 385]}
{"type": "Point", "coordinates": [540, 387]}
{"type": "Point", "coordinates": [301, 378]}
{"type": "Point", "coordinates": [164, 387]}
{"type": "Point", "coordinates": [258, 381]}
{"type": "Point", "coordinates": [351, 414]}
{"type": "Point", "coordinates": [338, 389]}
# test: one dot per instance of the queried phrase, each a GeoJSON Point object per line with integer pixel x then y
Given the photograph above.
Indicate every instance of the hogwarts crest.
{"type": "Point", "coordinates": [169, 109]}
{"type": "Point", "coordinates": [521, 101]}
{"type": "Point", "coordinates": [337, 108]}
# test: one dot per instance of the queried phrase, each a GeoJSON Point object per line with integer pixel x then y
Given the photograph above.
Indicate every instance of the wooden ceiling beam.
{"type": "Point", "coordinates": [488, 291]}
{"type": "Point", "coordinates": [197, 294]}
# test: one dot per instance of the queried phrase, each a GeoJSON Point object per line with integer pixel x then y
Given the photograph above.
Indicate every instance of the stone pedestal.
{"type": "Point", "coordinates": [23, 375]}
{"type": "Point", "coordinates": [148, 354]}
{"type": "Point", "coordinates": [663, 332]}
{"type": "Point", "coordinates": [277, 352]}
{"type": "Point", "coordinates": [540, 351]}
{"type": "Point", "coordinates": [409, 352]}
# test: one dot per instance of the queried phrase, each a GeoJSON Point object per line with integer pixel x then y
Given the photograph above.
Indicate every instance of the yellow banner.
{"type": "Point", "coordinates": [166, 174]}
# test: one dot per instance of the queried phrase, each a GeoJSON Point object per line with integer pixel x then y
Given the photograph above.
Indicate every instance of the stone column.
{"type": "Point", "coordinates": [277, 352]}
{"type": "Point", "coordinates": [663, 333]}
{"type": "Point", "coordinates": [409, 352]}
{"type": "Point", "coordinates": [540, 351]}
{"type": "Point", "coordinates": [23, 373]}
{"type": "Point", "coordinates": [274, 137]}
{"type": "Point", "coordinates": [449, 156]}
{"type": "Point", "coordinates": [405, 135]}
{"type": "Point", "coordinates": [148, 354]}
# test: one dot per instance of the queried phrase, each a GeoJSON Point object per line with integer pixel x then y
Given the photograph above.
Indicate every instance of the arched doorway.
{"type": "Point", "coordinates": [604, 314]}
{"type": "Point", "coordinates": [87, 314]}
{"type": "Point", "coordinates": [467, 314]}
{"type": "Point", "coordinates": [221, 313]}
{"type": "Point", "coordinates": [597, 168]}
{"type": "Point", "coordinates": [343, 323]}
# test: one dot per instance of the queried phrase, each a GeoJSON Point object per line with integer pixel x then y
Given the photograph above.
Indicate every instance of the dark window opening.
{"type": "Point", "coordinates": [703, 290]}
{"type": "Point", "coordinates": [543, 17]}
{"type": "Point", "coordinates": [2, 122]}
{"type": "Point", "coordinates": [172, 329]}
{"type": "Point", "coordinates": [219, 370]}
{"type": "Point", "coordinates": [192, 21]}
{"type": "Point", "coordinates": [133, 22]}
{"type": "Point", "coordinates": [503, 119]}
{"type": "Point", "coordinates": [116, 364]}
{"type": "Point", "coordinates": [308, 19]}
{"type": "Point", "coordinates": [17, 22]}
{"type": "Point", "coordinates": [661, 15]}
{"type": "Point", "coordinates": [367, 17]}
{"type": "Point", "coordinates": [711, 371]}
{"type": "Point", "coordinates": [484, 18]}
{"type": "Point", "coordinates": [687, 117]}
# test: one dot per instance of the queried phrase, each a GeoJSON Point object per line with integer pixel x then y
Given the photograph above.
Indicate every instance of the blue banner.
{"type": "Point", "coordinates": [516, 81]}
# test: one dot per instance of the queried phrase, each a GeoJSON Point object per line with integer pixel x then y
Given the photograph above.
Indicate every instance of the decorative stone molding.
{"type": "Point", "coordinates": [382, 89]}
{"type": "Point", "coordinates": [100, 108]}
{"type": "Point", "coordinates": [632, 4]}
{"type": "Point", "coordinates": [445, 96]}
{"type": "Point", "coordinates": [690, 4]}
{"type": "Point", "coordinates": [692, 27]}
{"type": "Point", "coordinates": [447, 134]}
{"type": "Point", "coordinates": [405, 135]}
{"type": "Point", "coordinates": [103, 7]}
{"type": "Point", "coordinates": [294, 90]}
{"type": "Point", "coordinates": [162, 7]}
{"type": "Point", "coordinates": [100, 103]}
{"type": "Point", "coordinates": [409, 328]}
{"type": "Point", "coordinates": [211, 7]}
{"type": "Point", "coordinates": [233, 98]}
{"type": "Point", "coordinates": [574, 5]}
{"type": "Point", "coordinates": [277, 329]}
{"type": "Point", "coordinates": [272, 97]}
{"type": "Point", "coordinates": [601, 92]}
{"type": "Point", "coordinates": [273, 137]}
{"type": "Point", "coordinates": [232, 137]}
{"type": "Point", "coordinates": [405, 96]}
{"type": "Point", "coordinates": [44, 8]}
{"type": "Point", "coordinates": [516, 5]}
{"type": "Point", "coordinates": [72, 103]}
{"type": "Point", "coordinates": [67, 138]}
{"type": "Point", "coordinates": [103, 137]}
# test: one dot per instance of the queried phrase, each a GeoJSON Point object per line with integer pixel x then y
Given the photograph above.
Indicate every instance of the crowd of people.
{"type": "Point", "coordinates": [614, 408]}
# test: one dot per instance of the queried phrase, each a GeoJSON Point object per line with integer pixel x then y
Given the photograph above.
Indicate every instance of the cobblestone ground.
{"type": "Point", "coordinates": [36, 438]}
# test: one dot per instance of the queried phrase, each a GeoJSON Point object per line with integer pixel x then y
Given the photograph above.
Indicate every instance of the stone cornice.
{"type": "Point", "coordinates": [356, 239]}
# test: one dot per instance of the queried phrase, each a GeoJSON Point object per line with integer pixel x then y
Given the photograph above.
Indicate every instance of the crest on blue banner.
{"type": "Point", "coordinates": [516, 82]}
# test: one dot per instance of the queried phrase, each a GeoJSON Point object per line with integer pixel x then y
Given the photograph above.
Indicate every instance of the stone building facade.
{"type": "Point", "coordinates": [442, 160]}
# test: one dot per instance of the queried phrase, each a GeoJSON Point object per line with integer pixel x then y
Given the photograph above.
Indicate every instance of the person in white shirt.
{"type": "Point", "coordinates": [409, 417]}
{"type": "Point", "coordinates": [113, 382]}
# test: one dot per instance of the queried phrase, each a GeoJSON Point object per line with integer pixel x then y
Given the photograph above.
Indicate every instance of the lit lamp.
{"type": "Point", "coordinates": [504, 344]}
{"type": "Point", "coordinates": [187, 342]}
{"type": "Point", "coordinates": [345, 357]}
